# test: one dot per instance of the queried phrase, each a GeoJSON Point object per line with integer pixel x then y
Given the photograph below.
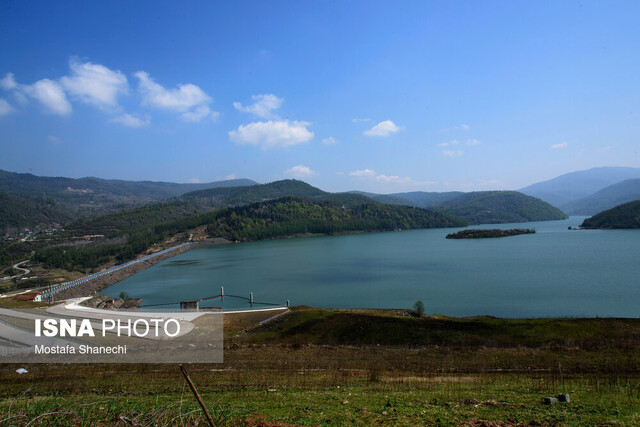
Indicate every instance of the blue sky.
{"type": "Point", "coordinates": [376, 96]}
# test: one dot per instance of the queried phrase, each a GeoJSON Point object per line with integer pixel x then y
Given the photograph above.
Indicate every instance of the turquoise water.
{"type": "Point", "coordinates": [555, 272]}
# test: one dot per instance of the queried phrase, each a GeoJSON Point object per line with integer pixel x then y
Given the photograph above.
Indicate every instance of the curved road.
{"type": "Point", "coordinates": [17, 267]}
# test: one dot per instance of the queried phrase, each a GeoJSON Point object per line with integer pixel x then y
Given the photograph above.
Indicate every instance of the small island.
{"type": "Point", "coordinates": [483, 234]}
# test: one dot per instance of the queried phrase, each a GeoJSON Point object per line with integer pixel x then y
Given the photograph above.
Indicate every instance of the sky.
{"type": "Point", "coordinates": [374, 96]}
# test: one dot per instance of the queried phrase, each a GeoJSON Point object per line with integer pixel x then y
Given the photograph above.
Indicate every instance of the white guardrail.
{"type": "Point", "coordinates": [64, 286]}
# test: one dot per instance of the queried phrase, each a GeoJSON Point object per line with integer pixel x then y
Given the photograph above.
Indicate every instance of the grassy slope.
{"type": "Point", "coordinates": [385, 327]}
{"type": "Point", "coordinates": [264, 378]}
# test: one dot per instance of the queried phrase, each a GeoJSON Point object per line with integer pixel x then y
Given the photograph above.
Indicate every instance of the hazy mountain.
{"type": "Point", "coordinates": [623, 216]}
{"type": "Point", "coordinates": [428, 199]}
{"type": "Point", "coordinates": [419, 199]}
{"type": "Point", "coordinates": [562, 190]}
{"type": "Point", "coordinates": [486, 207]}
{"type": "Point", "coordinates": [387, 199]}
{"type": "Point", "coordinates": [607, 198]}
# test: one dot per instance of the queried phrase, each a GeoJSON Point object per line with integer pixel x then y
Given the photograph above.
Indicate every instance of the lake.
{"type": "Point", "coordinates": [555, 272]}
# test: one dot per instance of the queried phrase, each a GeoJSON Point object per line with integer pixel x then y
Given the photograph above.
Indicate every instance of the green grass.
{"type": "Point", "coordinates": [105, 394]}
{"type": "Point", "coordinates": [384, 327]}
{"type": "Point", "coordinates": [358, 367]}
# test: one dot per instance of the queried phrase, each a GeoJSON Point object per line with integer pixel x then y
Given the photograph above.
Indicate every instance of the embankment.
{"type": "Point", "coordinates": [94, 286]}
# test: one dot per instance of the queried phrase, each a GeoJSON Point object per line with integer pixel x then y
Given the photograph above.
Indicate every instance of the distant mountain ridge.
{"type": "Point", "coordinates": [607, 198]}
{"type": "Point", "coordinates": [94, 188]}
{"type": "Point", "coordinates": [565, 189]}
{"type": "Point", "coordinates": [418, 199]}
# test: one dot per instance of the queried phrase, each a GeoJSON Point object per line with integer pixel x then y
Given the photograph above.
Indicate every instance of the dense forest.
{"type": "Point", "coordinates": [237, 196]}
{"type": "Point", "coordinates": [623, 216]}
{"type": "Point", "coordinates": [18, 211]}
{"type": "Point", "coordinates": [295, 215]}
{"type": "Point", "coordinates": [494, 207]}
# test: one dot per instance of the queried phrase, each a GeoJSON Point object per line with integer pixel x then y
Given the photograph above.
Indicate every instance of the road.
{"type": "Point", "coordinates": [17, 267]}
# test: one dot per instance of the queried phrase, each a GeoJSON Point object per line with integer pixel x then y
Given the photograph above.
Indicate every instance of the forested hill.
{"type": "Point", "coordinates": [236, 196]}
{"type": "Point", "coordinates": [623, 216]}
{"type": "Point", "coordinates": [295, 215]}
{"type": "Point", "coordinates": [18, 211]}
{"type": "Point", "coordinates": [492, 207]}
{"type": "Point", "coordinates": [96, 193]}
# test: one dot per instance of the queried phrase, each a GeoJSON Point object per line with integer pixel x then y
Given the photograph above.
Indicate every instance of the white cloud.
{"type": "Point", "coordinates": [272, 134]}
{"type": "Point", "coordinates": [198, 114]}
{"type": "Point", "coordinates": [95, 83]}
{"type": "Point", "coordinates": [132, 121]}
{"type": "Point", "coordinates": [181, 99]}
{"type": "Point", "coordinates": [384, 128]}
{"type": "Point", "coordinates": [560, 145]}
{"type": "Point", "coordinates": [5, 107]}
{"type": "Point", "coordinates": [366, 119]}
{"type": "Point", "coordinates": [459, 127]}
{"type": "Point", "coordinates": [329, 140]}
{"type": "Point", "coordinates": [452, 153]}
{"type": "Point", "coordinates": [369, 174]}
{"type": "Point", "coordinates": [229, 177]}
{"type": "Point", "coordinates": [468, 142]}
{"type": "Point", "coordinates": [8, 82]}
{"type": "Point", "coordinates": [362, 173]}
{"type": "Point", "coordinates": [445, 144]}
{"type": "Point", "coordinates": [263, 106]}
{"type": "Point", "coordinates": [194, 180]}
{"type": "Point", "coordinates": [54, 139]}
{"type": "Point", "coordinates": [300, 171]}
{"type": "Point", "coordinates": [50, 94]}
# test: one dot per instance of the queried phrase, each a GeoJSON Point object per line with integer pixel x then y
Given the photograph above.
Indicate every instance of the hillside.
{"type": "Point", "coordinates": [418, 199]}
{"type": "Point", "coordinates": [224, 197]}
{"type": "Point", "coordinates": [567, 188]}
{"type": "Point", "coordinates": [426, 199]}
{"type": "Point", "coordinates": [90, 196]}
{"type": "Point", "coordinates": [294, 215]}
{"type": "Point", "coordinates": [624, 216]}
{"type": "Point", "coordinates": [18, 211]}
{"type": "Point", "coordinates": [607, 198]}
{"type": "Point", "coordinates": [491, 207]}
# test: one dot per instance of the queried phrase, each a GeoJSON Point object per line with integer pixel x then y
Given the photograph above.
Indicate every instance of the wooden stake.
{"type": "Point", "coordinates": [195, 392]}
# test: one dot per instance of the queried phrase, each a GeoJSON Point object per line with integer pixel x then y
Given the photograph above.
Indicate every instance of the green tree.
{"type": "Point", "coordinates": [419, 308]}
